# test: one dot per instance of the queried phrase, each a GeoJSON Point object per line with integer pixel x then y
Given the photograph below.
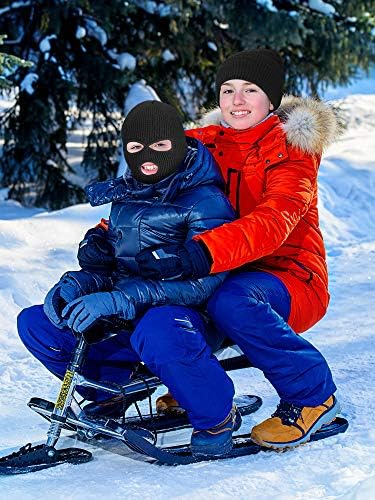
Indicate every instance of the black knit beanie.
{"type": "Point", "coordinates": [264, 67]}
{"type": "Point", "coordinates": [147, 123]}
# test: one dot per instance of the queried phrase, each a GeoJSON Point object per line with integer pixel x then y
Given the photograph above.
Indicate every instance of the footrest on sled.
{"type": "Point", "coordinates": [337, 426]}
{"type": "Point", "coordinates": [242, 446]}
{"type": "Point", "coordinates": [246, 405]}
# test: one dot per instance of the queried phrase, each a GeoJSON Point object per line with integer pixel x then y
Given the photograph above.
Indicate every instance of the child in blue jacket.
{"type": "Point", "coordinates": [172, 191]}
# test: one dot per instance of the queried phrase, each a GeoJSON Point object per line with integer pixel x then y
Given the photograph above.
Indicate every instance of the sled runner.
{"type": "Point", "coordinates": [137, 433]}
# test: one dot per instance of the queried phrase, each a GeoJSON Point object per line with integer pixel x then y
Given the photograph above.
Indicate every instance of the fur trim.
{"type": "Point", "coordinates": [212, 117]}
{"type": "Point", "coordinates": [309, 124]}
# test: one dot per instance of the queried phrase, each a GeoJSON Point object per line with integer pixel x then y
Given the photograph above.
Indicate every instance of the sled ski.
{"type": "Point", "coordinates": [33, 458]}
{"type": "Point", "coordinates": [242, 446]}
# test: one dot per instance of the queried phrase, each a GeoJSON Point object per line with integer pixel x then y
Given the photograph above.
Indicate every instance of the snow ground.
{"type": "Point", "coordinates": [37, 247]}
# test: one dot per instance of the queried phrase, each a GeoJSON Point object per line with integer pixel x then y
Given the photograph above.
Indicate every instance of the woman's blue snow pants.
{"type": "Point", "coordinates": [252, 308]}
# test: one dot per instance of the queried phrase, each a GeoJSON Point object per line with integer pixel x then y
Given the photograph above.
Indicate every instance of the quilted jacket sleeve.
{"type": "Point", "coordinates": [147, 293]}
{"type": "Point", "coordinates": [211, 212]}
{"type": "Point", "coordinates": [290, 187]}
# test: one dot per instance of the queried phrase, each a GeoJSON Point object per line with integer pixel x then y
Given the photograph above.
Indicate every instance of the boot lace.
{"type": "Point", "coordinates": [287, 412]}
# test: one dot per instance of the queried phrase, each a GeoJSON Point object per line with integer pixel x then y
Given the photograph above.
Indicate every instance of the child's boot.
{"type": "Point", "coordinates": [216, 441]}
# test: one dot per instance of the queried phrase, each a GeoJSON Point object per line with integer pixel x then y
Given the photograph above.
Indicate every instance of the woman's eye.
{"type": "Point", "coordinates": [227, 91]}
{"type": "Point", "coordinates": [250, 90]}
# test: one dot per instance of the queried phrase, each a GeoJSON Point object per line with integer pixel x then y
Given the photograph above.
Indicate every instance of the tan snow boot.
{"type": "Point", "coordinates": [167, 405]}
{"type": "Point", "coordinates": [293, 425]}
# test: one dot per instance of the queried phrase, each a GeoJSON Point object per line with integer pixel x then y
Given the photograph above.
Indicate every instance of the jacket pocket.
{"type": "Point", "coordinates": [301, 271]}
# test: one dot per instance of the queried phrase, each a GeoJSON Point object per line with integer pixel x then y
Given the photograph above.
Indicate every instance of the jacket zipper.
{"type": "Point", "coordinates": [228, 187]}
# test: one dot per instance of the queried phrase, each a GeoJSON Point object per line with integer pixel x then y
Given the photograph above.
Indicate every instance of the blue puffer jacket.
{"type": "Point", "coordinates": [169, 212]}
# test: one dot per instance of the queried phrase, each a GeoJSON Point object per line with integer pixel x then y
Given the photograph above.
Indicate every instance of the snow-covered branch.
{"type": "Point", "coordinates": [14, 5]}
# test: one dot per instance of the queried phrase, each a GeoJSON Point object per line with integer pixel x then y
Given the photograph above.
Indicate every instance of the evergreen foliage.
{"type": "Point", "coordinates": [87, 53]}
{"type": "Point", "coordinates": [8, 64]}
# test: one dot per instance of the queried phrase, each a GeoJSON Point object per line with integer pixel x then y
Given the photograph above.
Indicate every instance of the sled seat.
{"type": "Point", "coordinates": [231, 357]}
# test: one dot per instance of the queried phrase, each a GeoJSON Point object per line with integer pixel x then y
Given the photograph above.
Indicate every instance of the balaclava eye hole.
{"type": "Point", "coordinates": [148, 123]}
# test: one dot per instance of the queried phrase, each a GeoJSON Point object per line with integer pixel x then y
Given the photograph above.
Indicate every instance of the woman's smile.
{"type": "Point", "coordinates": [240, 114]}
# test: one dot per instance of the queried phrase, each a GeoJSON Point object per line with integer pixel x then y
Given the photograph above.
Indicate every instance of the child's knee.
{"type": "Point", "coordinates": [167, 335]}
{"type": "Point", "coordinates": [24, 322]}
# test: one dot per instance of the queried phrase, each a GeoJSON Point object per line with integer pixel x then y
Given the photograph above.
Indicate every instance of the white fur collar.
{"type": "Point", "coordinates": [309, 124]}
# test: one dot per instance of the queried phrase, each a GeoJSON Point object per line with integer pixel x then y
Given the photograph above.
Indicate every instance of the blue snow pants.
{"type": "Point", "coordinates": [252, 309]}
{"type": "Point", "coordinates": [173, 341]}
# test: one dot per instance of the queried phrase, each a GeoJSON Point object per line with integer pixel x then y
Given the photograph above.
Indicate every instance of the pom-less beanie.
{"type": "Point", "coordinates": [264, 67]}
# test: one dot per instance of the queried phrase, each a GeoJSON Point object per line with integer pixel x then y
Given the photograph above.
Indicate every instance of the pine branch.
{"type": "Point", "coordinates": [13, 6]}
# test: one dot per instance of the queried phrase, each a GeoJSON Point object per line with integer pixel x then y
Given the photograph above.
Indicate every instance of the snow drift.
{"type": "Point", "coordinates": [37, 247]}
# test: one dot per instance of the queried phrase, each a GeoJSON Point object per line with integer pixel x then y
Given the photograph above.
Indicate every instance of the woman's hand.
{"type": "Point", "coordinates": [191, 260]}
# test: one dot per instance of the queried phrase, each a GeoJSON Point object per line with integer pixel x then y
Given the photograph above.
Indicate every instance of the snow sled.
{"type": "Point", "coordinates": [138, 432]}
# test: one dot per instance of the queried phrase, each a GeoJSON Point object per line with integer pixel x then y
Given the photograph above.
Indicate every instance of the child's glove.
{"type": "Point", "coordinates": [72, 285]}
{"type": "Point", "coordinates": [95, 253]}
{"type": "Point", "coordinates": [56, 299]}
{"type": "Point", "coordinates": [83, 312]}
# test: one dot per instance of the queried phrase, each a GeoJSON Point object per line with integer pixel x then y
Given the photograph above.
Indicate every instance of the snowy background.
{"type": "Point", "coordinates": [36, 247]}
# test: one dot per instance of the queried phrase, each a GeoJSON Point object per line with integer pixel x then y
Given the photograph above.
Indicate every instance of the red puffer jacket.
{"type": "Point", "coordinates": [271, 172]}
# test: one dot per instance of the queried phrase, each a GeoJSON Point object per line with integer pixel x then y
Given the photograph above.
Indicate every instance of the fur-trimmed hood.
{"type": "Point", "coordinates": [309, 124]}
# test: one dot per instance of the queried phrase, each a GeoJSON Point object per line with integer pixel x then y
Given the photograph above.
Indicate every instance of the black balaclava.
{"type": "Point", "coordinates": [147, 123]}
{"type": "Point", "coordinates": [264, 67]}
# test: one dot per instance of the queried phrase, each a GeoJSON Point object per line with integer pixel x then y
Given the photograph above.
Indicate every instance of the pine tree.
{"type": "Point", "coordinates": [323, 42]}
{"type": "Point", "coordinates": [87, 53]}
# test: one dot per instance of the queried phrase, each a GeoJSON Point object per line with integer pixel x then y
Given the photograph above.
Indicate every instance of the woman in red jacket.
{"type": "Point", "coordinates": [278, 284]}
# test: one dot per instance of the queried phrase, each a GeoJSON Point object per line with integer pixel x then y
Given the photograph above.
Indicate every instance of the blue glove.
{"type": "Point", "coordinates": [72, 285]}
{"type": "Point", "coordinates": [83, 312]}
{"type": "Point", "coordinates": [95, 252]}
{"type": "Point", "coordinates": [56, 299]}
{"type": "Point", "coordinates": [191, 260]}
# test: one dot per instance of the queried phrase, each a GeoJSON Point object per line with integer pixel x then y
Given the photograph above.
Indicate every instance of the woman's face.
{"type": "Point", "coordinates": [243, 104]}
